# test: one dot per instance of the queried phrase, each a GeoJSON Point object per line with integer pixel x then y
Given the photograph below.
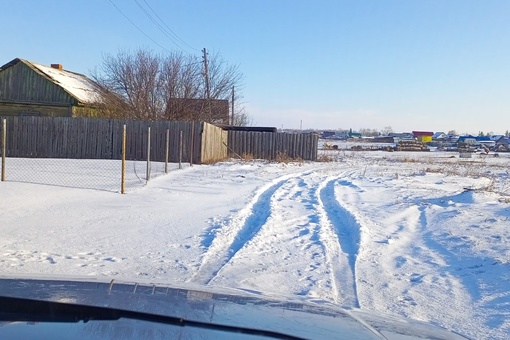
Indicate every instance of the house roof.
{"type": "Point", "coordinates": [483, 138]}
{"type": "Point", "coordinates": [401, 134]}
{"type": "Point", "coordinates": [79, 86]}
{"type": "Point", "coordinates": [503, 140]}
{"type": "Point", "coordinates": [463, 138]}
{"type": "Point", "coordinates": [422, 133]}
{"type": "Point", "coordinates": [496, 137]}
{"type": "Point", "coordinates": [248, 128]}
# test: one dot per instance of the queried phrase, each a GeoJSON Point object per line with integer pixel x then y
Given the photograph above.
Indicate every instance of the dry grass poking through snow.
{"type": "Point", "coordinates": [247, 157]}
{"type": "Point", "coordinates": [495, 171]}
{"type": "Point", "coordinates": [285, 158]}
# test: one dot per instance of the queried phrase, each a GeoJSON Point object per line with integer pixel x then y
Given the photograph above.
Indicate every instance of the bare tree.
{"type": "Point", "coordinates": [369, 132]}
{"type": "Point", "coordinates": [241, 118]}
{"type": "Point", "coordinates": [386, 130]}
{"type": "Point", "coordinates": [170, 87]}
{"type": "Point", "coordinates": [181, 78]}
{"type": "Point", "coordinates": [133, 77]}
{"type": "Point", "coordinates": [111, 105]}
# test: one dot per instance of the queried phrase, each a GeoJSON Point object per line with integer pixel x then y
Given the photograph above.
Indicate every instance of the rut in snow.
{"type": "Point", "coordinates": [316, 227]}
{"type": "Point", "coordinates": [338, 220]}
{"type": "Point", "coordinates": [240, 230]}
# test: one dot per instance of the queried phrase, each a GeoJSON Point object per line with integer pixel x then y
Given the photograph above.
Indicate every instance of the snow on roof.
{"type": "Point", "coordinates": [77, 85]}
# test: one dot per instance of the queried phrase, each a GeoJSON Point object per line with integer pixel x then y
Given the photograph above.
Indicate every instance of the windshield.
{"type": "Point", "coordinates": [345, 154]}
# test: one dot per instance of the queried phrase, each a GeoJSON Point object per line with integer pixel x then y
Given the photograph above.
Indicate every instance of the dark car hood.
{"type": "Point", "coordinates": [289, 316]}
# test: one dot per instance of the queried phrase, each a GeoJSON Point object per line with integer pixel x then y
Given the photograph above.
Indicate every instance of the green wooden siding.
{"type": "Point", "coordinates": [21, 84]}
{"type": "Point", "coordinates": [14, 109]}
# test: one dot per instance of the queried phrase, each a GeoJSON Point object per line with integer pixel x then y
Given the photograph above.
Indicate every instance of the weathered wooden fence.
{"type": "Point", "coordinates": [271, 145]}
{"type": "Point", "coordinates": [214, 144]}
{"type": "Point", "coordinates": [87, 138]}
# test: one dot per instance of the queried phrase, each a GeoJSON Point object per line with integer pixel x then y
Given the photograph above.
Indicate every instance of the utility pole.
{"type": "Point", "coordinates": [233, 93]}
{"type": "Point", "coordinates": [207, 87]}
{"type": "Point", "coordinates": [206, 68]}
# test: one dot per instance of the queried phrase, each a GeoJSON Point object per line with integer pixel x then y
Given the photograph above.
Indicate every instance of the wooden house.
{"type": "Point", "coordinates": [32, 89]}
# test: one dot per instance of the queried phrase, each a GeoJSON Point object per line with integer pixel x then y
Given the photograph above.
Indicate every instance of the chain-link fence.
{"type": "Point", "coordinates": [97, 174]}
{"type": "Point", "coordinates": [136, 155]}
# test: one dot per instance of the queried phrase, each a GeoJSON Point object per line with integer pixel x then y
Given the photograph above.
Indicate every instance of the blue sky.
{"type": "Point", "coordinates": [410, 64]}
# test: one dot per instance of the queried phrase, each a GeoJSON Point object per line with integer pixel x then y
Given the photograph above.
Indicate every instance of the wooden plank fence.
{"type": "Point", "coordinates": [88, 138]}
{"type": "Point", "coordinates": [92, 138]}
{"type": "Point", "coordinates": [271, 145]}
{"type": "Point", "coordinates": [214, 144]}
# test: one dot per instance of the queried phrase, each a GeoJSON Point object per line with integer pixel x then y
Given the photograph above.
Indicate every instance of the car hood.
{"type": "Point", "coordinates": [289, 316]}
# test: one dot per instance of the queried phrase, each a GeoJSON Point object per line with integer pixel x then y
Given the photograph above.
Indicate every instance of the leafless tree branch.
{"type": "Point", "coordinates": [145, 85]}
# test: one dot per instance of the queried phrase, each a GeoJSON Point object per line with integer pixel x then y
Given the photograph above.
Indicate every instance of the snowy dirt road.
{"type": "Point", "coordinates": [401, 237]}
{"type": "Point", "coordinates": [292, 234]}
{"type": "Point", "coordinates": [380, 243]}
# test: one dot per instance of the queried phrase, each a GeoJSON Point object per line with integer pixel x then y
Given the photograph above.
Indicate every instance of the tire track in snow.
{"type": "Point", "coordinates": [241, 229]}
{"type": "Point", "coordinates": [340, 233]}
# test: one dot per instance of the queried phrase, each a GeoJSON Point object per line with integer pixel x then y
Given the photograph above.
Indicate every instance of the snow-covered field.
{"type": "Point", "coordinates": [420, 235]}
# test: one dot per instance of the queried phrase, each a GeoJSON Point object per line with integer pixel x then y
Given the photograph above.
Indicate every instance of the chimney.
{"type": "Point", "coordinates": [57, 66]}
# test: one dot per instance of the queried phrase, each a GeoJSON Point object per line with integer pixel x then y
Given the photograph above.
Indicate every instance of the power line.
{"type": "Point", "coordinates": [158, 25]}
{"type": "Point", "coordinates": [169, 29]}
{"type": "Point", "coordinates": [138, 28]}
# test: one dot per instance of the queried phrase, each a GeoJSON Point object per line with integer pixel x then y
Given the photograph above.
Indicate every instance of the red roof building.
{"type": "Point", "coordinates": [423, 136]}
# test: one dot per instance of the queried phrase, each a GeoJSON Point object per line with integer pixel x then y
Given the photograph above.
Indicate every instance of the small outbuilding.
{"type": "Point", "coordinates": [423, 136]}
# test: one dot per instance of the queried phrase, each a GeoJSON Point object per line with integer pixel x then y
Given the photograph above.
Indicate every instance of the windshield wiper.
{"type": "Point", "coordinates": [28, 310]}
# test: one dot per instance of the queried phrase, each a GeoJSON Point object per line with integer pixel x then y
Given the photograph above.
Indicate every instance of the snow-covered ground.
{"type": "Point", "coordinates": [420, 235]}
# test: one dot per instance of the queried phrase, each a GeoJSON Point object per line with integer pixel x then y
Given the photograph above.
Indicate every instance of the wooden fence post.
{"type": "Point", "coordinates": [180, 149]}
{"type": "Point", "coordinates": [4, 140]}
{"type": "Point", "coordinates": [167, 149]}
{"type": "Point", "coordinates": [123, 176]}
{"type": "Point", "coordinates": [192, 143]}
{"type": "Point", "coordinates": [147, 175]}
